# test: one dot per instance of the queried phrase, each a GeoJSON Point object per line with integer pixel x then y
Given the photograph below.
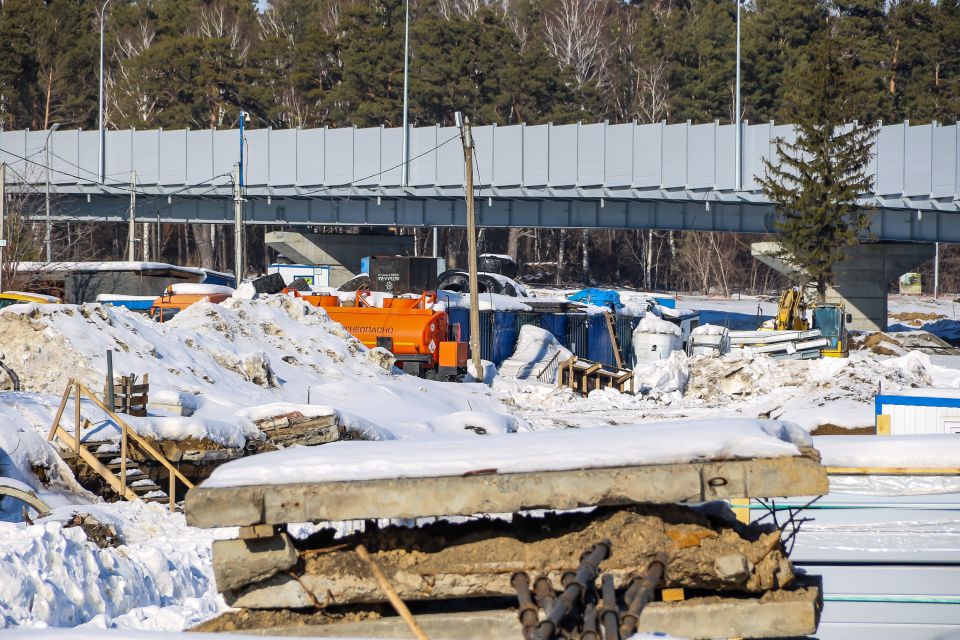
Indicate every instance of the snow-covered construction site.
{"type": "Point", "coordinates": [621, 465]}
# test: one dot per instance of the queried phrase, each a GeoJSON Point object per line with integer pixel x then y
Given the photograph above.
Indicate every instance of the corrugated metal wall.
{"type": "Point", "coordinates": [912, 161]}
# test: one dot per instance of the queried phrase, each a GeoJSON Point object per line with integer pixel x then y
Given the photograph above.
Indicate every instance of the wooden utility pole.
{"type": "Point", "coordinates": [132, 222]}
{"type": "Point", "coordinates": [466, 135]}
{"type": "Point", "coordinates": [237, 226]}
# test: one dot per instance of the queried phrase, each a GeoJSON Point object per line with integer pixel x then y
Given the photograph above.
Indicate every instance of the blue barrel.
{"type": "Point", "coordinates": [599, 347]}
{"type": "Point", "coordinates": [505, 330]}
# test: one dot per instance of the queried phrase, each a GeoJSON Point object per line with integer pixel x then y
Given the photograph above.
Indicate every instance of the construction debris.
{"type": "Point", "coordinates": [781, 345]}
{"type": "Point", "coordinates": [295, 428]}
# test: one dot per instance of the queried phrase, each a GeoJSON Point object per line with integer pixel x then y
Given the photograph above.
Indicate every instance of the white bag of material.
{"type": "Point", "coordinates": [536, 355]}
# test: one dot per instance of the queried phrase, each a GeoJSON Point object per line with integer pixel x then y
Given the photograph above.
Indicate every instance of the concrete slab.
{"type": "Point", "coordinates": [504, 493]}
{"type": "Point", "coordinates": [245, 561]}
{"type": "Point", "coordinates": [784, 614]}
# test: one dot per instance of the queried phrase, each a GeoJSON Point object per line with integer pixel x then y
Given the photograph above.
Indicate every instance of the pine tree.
{"type": "Point", "coordinates": [815, 180]}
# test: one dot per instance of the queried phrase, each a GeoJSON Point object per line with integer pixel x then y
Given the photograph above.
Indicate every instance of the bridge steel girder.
{"type": "Point", "coordinates": [739, 217]}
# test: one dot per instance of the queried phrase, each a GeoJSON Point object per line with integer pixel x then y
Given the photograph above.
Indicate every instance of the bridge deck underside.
{"type": "Point", "coordinates": [742, 217]}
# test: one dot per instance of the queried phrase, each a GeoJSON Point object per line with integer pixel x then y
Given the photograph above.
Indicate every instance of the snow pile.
{"type": "Point", "coordinates": [216, 359]}
{"type": "Point", "coordinates": [664, 380]}
{"type": "Point", "coordinates": [650, 323]}
{"type": "Point", "coordinates": [536, 350]}
{"type": "Point", "coordinates": [487, 301]}
{"type": "Point", "coordinates": [644, 444]}
{"type": "Point", "coordinates": [51, 574]}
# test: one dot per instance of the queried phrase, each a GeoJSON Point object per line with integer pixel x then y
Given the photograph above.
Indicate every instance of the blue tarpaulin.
{"type": "Point", "coordinates": [599, 297]}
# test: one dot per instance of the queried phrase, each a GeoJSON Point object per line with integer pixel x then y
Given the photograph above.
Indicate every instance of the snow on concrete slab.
{"type": "Point", "coordinates": [845, 413]}
{"type": "Point", "coordinates": [636, 445]}
{"type": "Point", "coordinates": [936, 451]}
{"type": "Point", "coordinates": [932, 392]}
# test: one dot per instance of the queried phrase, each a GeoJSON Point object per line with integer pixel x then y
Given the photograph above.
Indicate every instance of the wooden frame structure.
{"type": "Point", "coordinates": [73, 442]}
{"type": "Point", "coordinates": [583, 376]}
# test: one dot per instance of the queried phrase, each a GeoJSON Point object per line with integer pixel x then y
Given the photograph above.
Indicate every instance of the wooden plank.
{"type": "Point", "coordinates": [504, 493]}
{"type": "Point", "coordinates": [60, 409]}
{"type": "Point", "coordinates": [893, 471]}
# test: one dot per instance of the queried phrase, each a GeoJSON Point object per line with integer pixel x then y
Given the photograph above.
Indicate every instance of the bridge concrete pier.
{"type": "Point", "coordinates": [341, 252]}
{"type": "Point", "coordinates": [861, 281]}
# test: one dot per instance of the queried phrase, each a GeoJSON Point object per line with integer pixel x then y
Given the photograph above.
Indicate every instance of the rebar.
{"type": "Point", "coordinates": [643, 595]}
{"type": "Point", "coordinates": [586, 573]}
{"type": "Point", "coordinates": [527, 612]}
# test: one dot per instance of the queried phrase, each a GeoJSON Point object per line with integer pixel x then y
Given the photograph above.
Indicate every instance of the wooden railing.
{"type": "Point", "coordinates": [72, 441]}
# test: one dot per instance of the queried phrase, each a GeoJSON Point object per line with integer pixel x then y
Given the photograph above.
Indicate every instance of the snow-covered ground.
{"type": "Point", "coordinates": [231, 364]}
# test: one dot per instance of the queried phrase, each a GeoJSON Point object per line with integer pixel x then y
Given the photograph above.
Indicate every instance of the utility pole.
{"type": "Point", "coordinates": [466, 136]}
{"type": "Point", "coordinates": [132, 220]}
{"type": "Point", "coordinates": [101, 156]}
{"type": "Point", "coordinates": [48, 233]}
{"type": "Point", "coordinates": [3, 216]}
{"type": "Point", "coordinates": [739, 151]}
{"type": "Point", "coordinates": [406, 85]}
{"type": "Point", "coordinates": [936, 270]}
{"type": "Point", "coordinates": [237, 226]}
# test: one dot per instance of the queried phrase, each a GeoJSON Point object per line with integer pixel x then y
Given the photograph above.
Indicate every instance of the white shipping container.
{"type": "Point", "coordinates": [315, 275]}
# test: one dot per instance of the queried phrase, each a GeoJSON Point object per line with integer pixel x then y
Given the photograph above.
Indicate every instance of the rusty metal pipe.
{"type": "Point", "coordinates": [586, 574]}
{"type": "Point", "coordinates": [644, 594]}
{"type": "Point", "coordinates": [527, 612]}
{"type": "Point", "coordinates": [609, 615]}
{"type": "Point", "coordinates": [590, 630]}
{"type": "Point", "coordinates": [545, 593]}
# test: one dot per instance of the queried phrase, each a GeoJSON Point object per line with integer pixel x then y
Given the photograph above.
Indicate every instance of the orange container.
{"type": "Point", "coordinates": [412, 332]}
{"type": "Point", "coordinates": [401, 303]}
{"type": "Point", "coordinates": [170, 304]}
{"type": "Point", "coordinates": [453, 354]}
{"type": "Point", "coordinates": [327, 301]}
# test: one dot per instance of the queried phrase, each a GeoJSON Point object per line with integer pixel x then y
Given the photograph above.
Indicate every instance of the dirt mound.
{"type": "Point", "coordinates": [917, 318]}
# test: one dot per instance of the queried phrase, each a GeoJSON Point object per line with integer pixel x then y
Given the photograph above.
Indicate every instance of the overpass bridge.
{"type": "Point", "coordinates": [623, 176]}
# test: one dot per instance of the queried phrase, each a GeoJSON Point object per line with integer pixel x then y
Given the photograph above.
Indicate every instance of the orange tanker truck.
{"type": "Point", "coordinates": [407, 327]}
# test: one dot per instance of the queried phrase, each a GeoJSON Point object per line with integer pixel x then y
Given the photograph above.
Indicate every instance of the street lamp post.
{"type": "Point", "coordinates": [739, 124]}
{"type": "Point", "coordinates": [100, 163]}
{"type": "Point", "coordinates": [48, 236]}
